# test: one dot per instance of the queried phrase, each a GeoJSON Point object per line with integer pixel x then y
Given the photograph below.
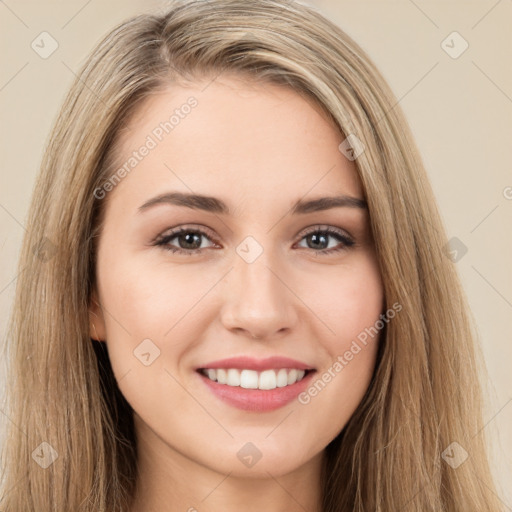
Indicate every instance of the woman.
{"type": "Point", "coordinates": [253, 368]}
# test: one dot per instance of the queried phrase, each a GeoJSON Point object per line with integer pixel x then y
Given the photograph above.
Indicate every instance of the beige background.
{"type": "Point", "coordinates": [460, 111]}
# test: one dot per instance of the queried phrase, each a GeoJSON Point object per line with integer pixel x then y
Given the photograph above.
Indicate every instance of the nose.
{"type": "Point", "coordinates": [258, 303]}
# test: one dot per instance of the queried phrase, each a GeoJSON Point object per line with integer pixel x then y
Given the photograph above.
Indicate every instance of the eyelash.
{"type": "Point", "coordinates": [164, 240]}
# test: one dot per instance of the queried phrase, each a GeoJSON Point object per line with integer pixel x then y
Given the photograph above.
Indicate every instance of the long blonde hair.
{"type": "Point", "coordinates": [425, 393]}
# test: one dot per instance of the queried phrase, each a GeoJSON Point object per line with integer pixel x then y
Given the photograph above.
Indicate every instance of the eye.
{"type": "Point", "coordinates": [189, 240]}
{"type": "Point", "coordinates": [320, 235]}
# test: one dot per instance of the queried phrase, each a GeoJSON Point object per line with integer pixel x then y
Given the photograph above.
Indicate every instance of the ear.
{"type": "Point", "coordinates": [97, 329]}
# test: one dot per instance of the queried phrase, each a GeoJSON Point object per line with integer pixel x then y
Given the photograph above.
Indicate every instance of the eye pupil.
{"type": "Point", "coordinates": [189, 239]}
{"type": "Point", "coordinates": [315, 237]}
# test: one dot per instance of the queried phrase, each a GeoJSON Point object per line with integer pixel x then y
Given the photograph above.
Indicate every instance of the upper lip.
{"type": "Point", "coordinates": [250, 363]}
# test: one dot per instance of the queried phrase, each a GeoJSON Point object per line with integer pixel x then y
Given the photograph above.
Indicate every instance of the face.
{"type": "Point", "coordinates": [255, 286]}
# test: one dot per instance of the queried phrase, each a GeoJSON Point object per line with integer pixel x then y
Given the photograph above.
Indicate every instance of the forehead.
{"type": "Point", "coordinates": [233, 137]}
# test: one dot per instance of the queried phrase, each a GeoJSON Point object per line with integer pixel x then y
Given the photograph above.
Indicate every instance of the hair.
{"type": "Point", "coordinates": [425, 392]}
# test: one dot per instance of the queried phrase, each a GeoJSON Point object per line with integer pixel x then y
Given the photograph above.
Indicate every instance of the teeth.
{"type": "Point", "coordinates": [267, 380]}
{"type": "Point", "coordinates": [233, 377]}
{"type": "Point", "coordinates": [292, 376]}
{"type": "Point", "coordinates": [282, 378]}
{"type": "Point", "coordinates": [248, 379]}
{"type": "Point", "coordinates": [251, 379]}
{"type": "Point", "coordinates": [222, 377]}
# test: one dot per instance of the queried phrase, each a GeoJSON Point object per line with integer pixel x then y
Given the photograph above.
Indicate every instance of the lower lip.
{"type": "Point", "coordinates": [257, 400]}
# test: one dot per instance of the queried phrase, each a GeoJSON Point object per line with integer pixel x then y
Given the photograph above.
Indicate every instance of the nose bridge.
{"type": "Point", "coordinates": [257, 301]}
{"type": "Point", "coordinates": [257, 284]}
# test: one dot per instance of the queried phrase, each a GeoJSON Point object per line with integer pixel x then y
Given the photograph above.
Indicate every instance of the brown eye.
{"type": "Point", "coordinates": [318, 240]}
{"type": "Point", "coordinates": [188, 241]}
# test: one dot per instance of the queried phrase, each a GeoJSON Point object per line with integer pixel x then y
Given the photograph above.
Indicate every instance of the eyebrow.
{"type": "Point", "coordinates": [215, 205]}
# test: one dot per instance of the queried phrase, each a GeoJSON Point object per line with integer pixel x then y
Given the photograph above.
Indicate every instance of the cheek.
{"type": "Point", "coordinates": [346, 299]}
{"type": "Point", "coordinates": [147, 316]}
{"type": "Point", "coordinates": [150, 300]}
{"type": "Point", "coordinates": [157, 302]}
{"type": "Point", "coordinates": [351, 303]}
{"type": "Point", "coordinates": [360, 305]}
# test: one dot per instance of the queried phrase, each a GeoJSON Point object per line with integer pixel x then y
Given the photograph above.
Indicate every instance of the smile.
{"type": "Point", "coordinates": [251, 379]}
{"type": "Point", "coordinates": [256, 399]}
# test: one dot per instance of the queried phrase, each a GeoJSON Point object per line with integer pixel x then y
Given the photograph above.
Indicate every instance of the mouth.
{"type": "Point", "coordinates": [252, 379]}
{"type": "Point", "coordinates": [257, 385]}
{"type": "Point", "coordinates": [257, 391]}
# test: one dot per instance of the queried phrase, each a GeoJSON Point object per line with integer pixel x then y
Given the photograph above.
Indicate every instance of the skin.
{"type": "Point", "coordinates": [259, 149]}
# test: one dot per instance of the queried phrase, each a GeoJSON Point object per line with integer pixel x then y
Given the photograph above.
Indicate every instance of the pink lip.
{"type": "Point", "coordinates": [257, 400]}
{"type": "Point", "coordinates": [249, 363]}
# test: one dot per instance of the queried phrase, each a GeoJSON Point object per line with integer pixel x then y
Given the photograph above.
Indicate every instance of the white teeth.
{"type": "Point", "coordinates": [222, 377]}
{"type": "Point", "coordinates": [267, 380]}
{"type": "Point", "coordinates": [233, 377]}
{"type": "Point", "coordinates": [251, 379]}
{"type": "Point", "coordinates": [292, 376]}
{"type": "Point", "coordinates": [282, 378]}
